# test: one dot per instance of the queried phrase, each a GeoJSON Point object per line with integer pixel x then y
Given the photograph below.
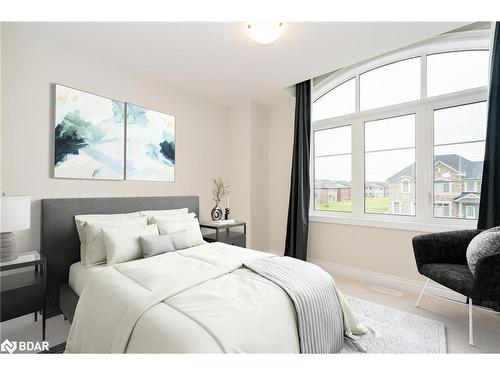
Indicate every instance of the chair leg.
{"type": "Point", "coordinates": [422, 293]}
{"type": "Point", "coordinates": [471, 324]}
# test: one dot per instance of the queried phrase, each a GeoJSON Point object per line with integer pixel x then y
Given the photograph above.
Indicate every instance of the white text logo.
{"type": "Point", "coordinates": [23, 346]}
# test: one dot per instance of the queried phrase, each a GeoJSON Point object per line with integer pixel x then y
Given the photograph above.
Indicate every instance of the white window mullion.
{"type": "Point", "coordinates": [357, 98]}
{"type": "Point", "coordinates": [358, 171]}
{"type": "Point", "coordinates": [423, 76]}
{"type": "Point", "coordinates": [424, 158]}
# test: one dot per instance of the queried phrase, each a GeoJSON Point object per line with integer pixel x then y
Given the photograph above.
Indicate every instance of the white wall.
{"type": "Point", "coordinates": [239, 158]}
{"type": "Point", "coordinates": [248, 145]}
{"type": "Point", "coordinates": [280, 161]}
{"type": "Point", "coordinates": [29, 69]}
{"type": "Point", "coordinates": [259, 156]}
{"type": "Point", "coordinates": [386, 251]}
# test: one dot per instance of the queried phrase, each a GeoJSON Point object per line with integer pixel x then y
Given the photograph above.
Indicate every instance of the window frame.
{"type": "Point", "coordinates": [423, 108]}
{"type": "Point", "coordinates": [399, 214]}
{"type": "Point", "coordinates": [313, 166]}
{"type": "Point", "coordinates": [337, 85]}
{"type": "Point", "coordinates": [463, 219]}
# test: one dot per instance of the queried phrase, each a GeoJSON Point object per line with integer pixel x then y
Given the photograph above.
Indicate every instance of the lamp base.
{"type": "Point", "coordinates": [8, 248]}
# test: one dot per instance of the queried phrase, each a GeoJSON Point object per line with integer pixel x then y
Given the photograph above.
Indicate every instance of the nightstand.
{"type": "Point", "coordinates": [226, 233]}
{"type": "Point", "coordinates": [23, 284]}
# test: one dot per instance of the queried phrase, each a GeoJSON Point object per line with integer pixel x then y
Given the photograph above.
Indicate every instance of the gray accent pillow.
{"type": "Point", "coordinates": [484, 244]}
{"type": "Point", "coordinates": [181, 239]}
{"type": "Point", "coordinates": [155, 245]}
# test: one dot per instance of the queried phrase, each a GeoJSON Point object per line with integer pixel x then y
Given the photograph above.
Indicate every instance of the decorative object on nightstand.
{"type": "Point", "coordinates": [24, 291]}
{"type": "Point", "coordinates": [224, 232]}
{"type": "Point", "coordinates": [15, 217]}
{"type": "Point", "coordinates": [218, 192]}
{"type": "Point", "coordinates": [227, 210]}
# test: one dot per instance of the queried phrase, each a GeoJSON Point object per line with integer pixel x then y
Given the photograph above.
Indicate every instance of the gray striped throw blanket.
{"type": "Point", "coordinates": [319, 313]}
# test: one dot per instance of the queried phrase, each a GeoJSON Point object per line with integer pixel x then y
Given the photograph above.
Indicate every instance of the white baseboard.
{"type": "Point", "coordinates": [385, 281]}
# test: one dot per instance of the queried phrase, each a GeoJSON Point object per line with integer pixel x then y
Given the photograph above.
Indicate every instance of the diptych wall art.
{"type": "Point", "coordinates": [89, 135]}
{"type": "Point", "coordinates": [150, 145]}
{"type": "Point", "coordinates": [90, 139]}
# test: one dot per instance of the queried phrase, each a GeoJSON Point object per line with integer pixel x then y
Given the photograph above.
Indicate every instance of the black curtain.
{"type": "Point", "coordinates": [489, 206]}
{"type": "Point", "coordinates": [298, 206]}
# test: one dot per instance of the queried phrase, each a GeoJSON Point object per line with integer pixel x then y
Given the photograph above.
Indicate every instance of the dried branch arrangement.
{"type": "Point", "coordinates": [219, 189]}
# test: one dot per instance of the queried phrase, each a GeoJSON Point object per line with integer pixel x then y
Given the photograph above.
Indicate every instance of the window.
{"type": "Point", "coordinates": [441, 187]}
{"type": "Point", "coordinates": [405, 186]}
{"type": "Point", "coordinates": [459, 134]}
{"type": "Point", "coordinates": [470, 186]}
{"type": "Point", "coordinates": [331, 197]}
{"type": "Point", "coordinates": [390, 84]}
{"type": "Point", "coordinates": [443, 70]}
{"type": "Point", "coordinates": [332, 178]}
{"type": "Point", "coordinates": [442, 209]}
{"type": "Point", "coordinates": [470, 212]}
{"type": "Point", "coordinates": [398, 140]}
{"type": "Point", "coordinates": [339, 101]}
{"type": "Point", "coordinates": [390, 161]}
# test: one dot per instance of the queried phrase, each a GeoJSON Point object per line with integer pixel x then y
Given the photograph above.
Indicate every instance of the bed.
{"type": "Point", "coordinates": [212, 297]}
{"type": "Point", "coordinates": [61, 246]}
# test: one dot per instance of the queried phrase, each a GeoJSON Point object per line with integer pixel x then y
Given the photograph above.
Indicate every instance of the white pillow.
{"type": "Point", "coordinates": [191, 225]}
{"type": "Point", "coordinates": [484, 244]}
{"type": "Point", "coordinates": [156, 219]}
{"type": "Point", "coordinates": [174, 211]}
{"type": "Point", "coordinates": [180, 240]}
{"type": "Point", "coordinates": [123, 244]}
{"type": "Point", "coordinates": [155, 245]}
{"type": "Point", "coordinates": [80, 220]}
{"type": "Point", "coordinates": [93, 248]}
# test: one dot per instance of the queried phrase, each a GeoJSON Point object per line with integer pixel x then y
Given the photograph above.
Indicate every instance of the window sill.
{"type": "Point", "coordinates": [403, 223]}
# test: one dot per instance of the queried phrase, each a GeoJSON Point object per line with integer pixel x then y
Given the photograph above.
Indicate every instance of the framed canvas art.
{"type": "Point", "coordinates": [150, 145]}
{"type": "Point", "coordinates": [89, 136]}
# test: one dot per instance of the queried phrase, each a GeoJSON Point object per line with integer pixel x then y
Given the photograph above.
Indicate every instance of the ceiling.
{"type": "Point", "coordinates": [218, 62]}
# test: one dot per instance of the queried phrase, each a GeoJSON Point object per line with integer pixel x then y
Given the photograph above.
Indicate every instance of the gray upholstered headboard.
{"type": "Point", "coordinates": [60, 243]}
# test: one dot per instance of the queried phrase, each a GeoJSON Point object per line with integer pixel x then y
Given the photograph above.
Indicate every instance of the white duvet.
{"type": "Point", "coordinates": [197, 300]}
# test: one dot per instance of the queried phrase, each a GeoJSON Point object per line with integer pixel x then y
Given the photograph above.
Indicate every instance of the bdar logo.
{"type": "Point", "coordinates": [8, 346]}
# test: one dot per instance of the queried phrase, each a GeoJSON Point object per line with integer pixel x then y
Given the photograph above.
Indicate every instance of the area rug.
{"type": "Point", "coordinates": [397, 331]}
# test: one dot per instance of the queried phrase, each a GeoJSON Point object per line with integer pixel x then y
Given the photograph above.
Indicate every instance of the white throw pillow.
{"type": "Point", "coordinates": [484, 244]}
{"type": "Point", "coordinates": [191, 225]}
{"type": "Point", "coordinates": [123, 244]}
{"type": "Point", "coordinates": [175, 211]}
{"type": "Point", "coordinates": [180, 240]}
{"type": "Point", "coordinates": [155, 245]}
{"type": "Point", "coordinates": [93, 248]}
{"type": "Point", "coordinates": [80, 220]}
{"type": "Point", "coordinates": [156, 219]}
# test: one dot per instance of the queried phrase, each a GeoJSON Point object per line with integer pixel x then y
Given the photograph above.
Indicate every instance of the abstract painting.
{"type": "Point", "coordinates": [150, 145]}
{"type": "Point", "coordinates": [89, 135]}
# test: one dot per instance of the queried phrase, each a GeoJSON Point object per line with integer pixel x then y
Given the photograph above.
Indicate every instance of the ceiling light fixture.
{"type": "Point", "coordinates": [264, 33]}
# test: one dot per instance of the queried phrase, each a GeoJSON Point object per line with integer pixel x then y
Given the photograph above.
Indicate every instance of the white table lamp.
{"type": "Point", "coordinates": [15, 216]}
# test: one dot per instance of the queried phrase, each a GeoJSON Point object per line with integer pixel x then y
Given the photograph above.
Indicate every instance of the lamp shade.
{"type": "Point", "coordinates": [15, 213]}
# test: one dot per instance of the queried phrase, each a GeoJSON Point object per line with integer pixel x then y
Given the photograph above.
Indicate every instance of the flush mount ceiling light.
{"type": "Point", "coordinates": [264, 33]}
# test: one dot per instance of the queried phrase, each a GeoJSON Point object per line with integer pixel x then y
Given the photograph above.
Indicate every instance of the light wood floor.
{"type": "Point", "coordinates": [453, 315]}
{"type": "Point", "coordinates": [486, 325]}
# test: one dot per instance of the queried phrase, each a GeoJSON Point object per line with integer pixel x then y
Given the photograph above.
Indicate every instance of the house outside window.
{"type": "Point", "coordinates": [415, 136]}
